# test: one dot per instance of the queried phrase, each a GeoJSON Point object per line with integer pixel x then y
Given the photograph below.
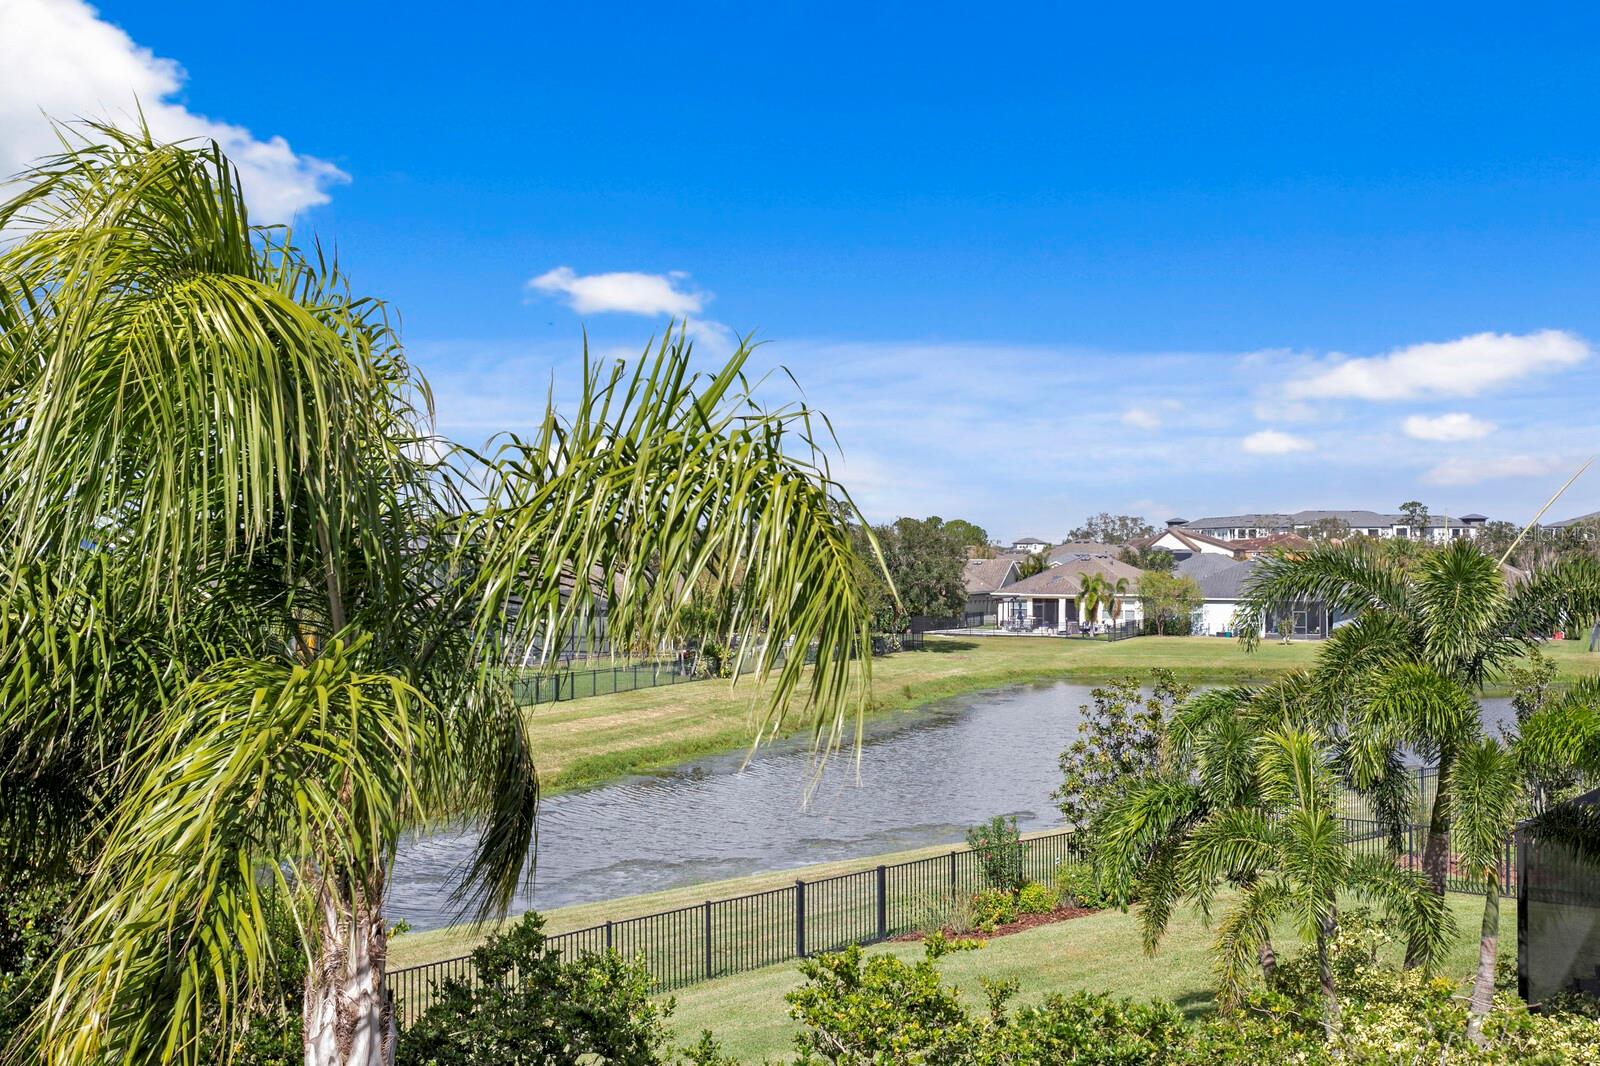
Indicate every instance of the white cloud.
{"type": "Point", "coordinates": [1467, 471]}
{"type": "Point", "coordinates": [60, 60]}
{"type": "Point", "coordinates": [1464, 367]}
{"type": "Point", "coordinates": [624, 291]}
{"type": "Point", "coordinates": [1274, 442]}
{"type": "Point", "coordinates": [1455, 426]}
{"type": "Point", "coordinates": [1141, 418]}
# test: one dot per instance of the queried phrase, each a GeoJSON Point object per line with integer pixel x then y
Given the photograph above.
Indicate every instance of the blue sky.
{"type": "Point", "coordinates": [1033, 263]}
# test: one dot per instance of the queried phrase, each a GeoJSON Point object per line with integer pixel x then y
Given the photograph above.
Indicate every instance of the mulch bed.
{"type": "Point", "coordinates": [1023, 923]}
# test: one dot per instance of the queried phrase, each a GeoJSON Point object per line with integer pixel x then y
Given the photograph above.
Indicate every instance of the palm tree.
{"type": "Point", "coordinates": [1292, 860]}
{"type": "Point", "coordinates": [1483, 808]}
{"type": "Point", "coordinates": [257, 616]}
{"type": "Point", "coordinates": [1117, 591]}
{"type": "Point", "coordinates": [1428, 634]}
{"type": "Point", "coordinates": [1094, 591]}
{"type": "Point", "coordinates": [1035, 563]}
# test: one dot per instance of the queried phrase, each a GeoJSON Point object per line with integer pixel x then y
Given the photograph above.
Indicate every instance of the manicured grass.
{"type": "Point", "coordinates": [1100, 953]}
{"type": "Point", "coordinates": [583, 742]}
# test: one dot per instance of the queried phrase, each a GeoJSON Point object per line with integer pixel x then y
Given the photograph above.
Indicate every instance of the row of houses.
{"type": "Point", "coordinates": [1052, 601]}
{"type": "Point", "coordinates": [1218, 553]}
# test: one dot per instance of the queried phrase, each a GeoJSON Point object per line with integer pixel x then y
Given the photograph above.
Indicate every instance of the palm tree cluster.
{"type": "Point", "coordinates": [258, 615]}
{"type": "Point", "coordinates": [1246, 797]}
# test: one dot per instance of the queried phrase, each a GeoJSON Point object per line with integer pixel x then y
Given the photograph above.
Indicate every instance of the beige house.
{"type": "Point", "coordinates": [1051, 601]}
{"type": "Point", "coordinates": [983, 578]}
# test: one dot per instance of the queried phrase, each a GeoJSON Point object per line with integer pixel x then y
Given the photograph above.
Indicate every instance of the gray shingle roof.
{"type": "Point", "coordinates": [986, 575]}
{"type": "Point", "coordinates": [1219, 577]}
{"type": "Point", "coordinates": [1064, 580]}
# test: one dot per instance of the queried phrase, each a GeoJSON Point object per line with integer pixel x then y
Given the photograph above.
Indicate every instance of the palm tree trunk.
{"type": "Point", "coordinates": [1488, 956]}
{"type": "Point", "coordinates": [1436, 850]}
{"type": "Point", "coordinates": [1330, 995]}
{"type": "Point", "coordinates": [1267, 957]}
{"type": "Point", "coordinates": [349, 1017]}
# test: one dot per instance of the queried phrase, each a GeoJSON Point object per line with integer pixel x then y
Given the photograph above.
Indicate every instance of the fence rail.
{"type": "Point", "coordinates": [725, 936]}
{"type": "Point", "coordinates": [569, 684]}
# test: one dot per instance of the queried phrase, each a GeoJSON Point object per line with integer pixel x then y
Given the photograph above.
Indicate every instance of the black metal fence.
{"type": "Point", "coordinates": [725, 936]}
{"type": "Point", "coordinates": [571, 684]}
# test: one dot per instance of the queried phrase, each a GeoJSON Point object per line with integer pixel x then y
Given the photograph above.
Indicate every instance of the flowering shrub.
{"type": "Point", "coordinates": [992, 907]}
{"type": "Point", "coordinates": [1037, 897]}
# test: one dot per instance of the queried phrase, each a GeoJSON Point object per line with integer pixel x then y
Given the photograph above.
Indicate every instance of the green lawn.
{"type": "Point", "coordinates": [585, 741]}
{"type": "Point", "coordinates": [1101, 953]}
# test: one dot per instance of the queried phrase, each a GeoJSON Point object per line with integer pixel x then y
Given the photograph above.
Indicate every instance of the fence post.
{"type": "Point", "coordinates": [708, 940]}
{"type": "Point", "coordinates": [883, 902]}
{"type": "Point", "coordinates": [608, 934]}
{"type": "Point", "coordinates": [799, 919]}
{"type": "Point", "coordinates": [952, 871]}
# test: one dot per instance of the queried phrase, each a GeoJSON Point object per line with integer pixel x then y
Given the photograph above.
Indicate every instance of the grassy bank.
{"type": "Point", "coordinates": [1100, 953]}
{"type": "Point", "coordinates": [586, 741]}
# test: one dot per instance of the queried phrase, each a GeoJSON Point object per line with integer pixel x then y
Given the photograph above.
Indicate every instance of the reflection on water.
{"type": "Point", "coordinates": [923, 779]}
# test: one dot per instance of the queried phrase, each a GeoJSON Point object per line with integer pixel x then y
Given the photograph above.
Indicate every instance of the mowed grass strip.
{"type": "Point", "coordinates": [414, 949]}
{"type": "Point", "coordinates": [1100, 953]}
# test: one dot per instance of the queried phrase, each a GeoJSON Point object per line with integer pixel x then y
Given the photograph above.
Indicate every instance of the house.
{"type": "Point", "coordinates": [1438, 528]}
{"type": "Point", "coordinates": [1223, 583]}
{"type": "Point", "coordinates": [1222, 580]}
{"type": "Point", "coordinates": [983, 578]}
{"type": "Point", "coordinates": [1029, 545]}
{"type": "Point", "coordinates": [1049, 601]}
{"type": "Point", "coordinates": [1183, 542]}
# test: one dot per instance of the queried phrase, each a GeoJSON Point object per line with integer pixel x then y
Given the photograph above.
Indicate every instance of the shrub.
{"type": "Point", "coordinates": [942, 912]}
{"type": "Point", "coordinates": [528, 1005]}
{"type": "Point", "coordinates": [1092, 1029]}
{"type": "Point", "coordinates": [1078, 885]}
{"type": "Point", "coordinates": [1000, 850]}
{"type": "Point", "coordinates": [992, 907]}
{"type": "Point", "coordinates": [857, 1009]}
{"type": "Point", "coordinates": [1119, 743]}
{"type": "Point", "coordinates": [1037, 897]}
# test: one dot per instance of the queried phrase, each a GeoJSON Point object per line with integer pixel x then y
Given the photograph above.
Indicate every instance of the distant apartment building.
{"type": "Point", "coordinates": [1438, 528]}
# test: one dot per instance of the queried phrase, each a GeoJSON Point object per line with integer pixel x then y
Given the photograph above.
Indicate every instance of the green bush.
{"type": "Point", "coordinates": [942, 912]}
{"type": "Point", "coordinates": [1000, 850]}
{"type": "Point", "coordinates": [992, 907]}
{"type": "Point", "coordinates": [528, 1005]}
{"type": "Point", "coordinates": [1037, 897]}
{"type": "Point", "coordinates": [860, 1009]}
{"type": "Point", "coordinates": [1078, 885]}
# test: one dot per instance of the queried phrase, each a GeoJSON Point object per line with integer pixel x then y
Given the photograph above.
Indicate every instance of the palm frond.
{"type": "Point", "coordinates": [660, 477]}
{"type": "Point", "coordinates": [1345, 579]}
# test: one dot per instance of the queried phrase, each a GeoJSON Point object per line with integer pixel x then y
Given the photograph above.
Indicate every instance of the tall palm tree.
{"type": "Point", "coordinates": [1428, 634]}
{"type": "Point", "coordinates": [1483, 808]}
{"type": "Point", "coordinates": [257, 617]}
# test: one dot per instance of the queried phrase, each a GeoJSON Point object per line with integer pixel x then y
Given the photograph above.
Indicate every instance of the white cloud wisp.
{"type": "Point", "coordinates": [1464, 367]}
{"type": "Point", "coordinates": [1455, 426]}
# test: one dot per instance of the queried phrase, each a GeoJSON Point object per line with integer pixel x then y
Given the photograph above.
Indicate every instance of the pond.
{"type": "Point", "coordinates": [924, 778]}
